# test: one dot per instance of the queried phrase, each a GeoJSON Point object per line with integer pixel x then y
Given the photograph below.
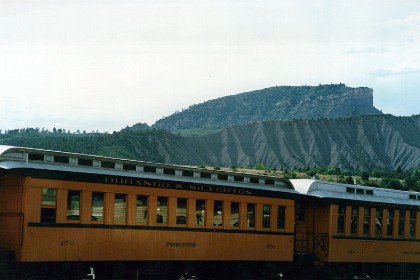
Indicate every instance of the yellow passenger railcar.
{"type": "Point", "coordinates": [67, 208]}
{"type": "Point", "coordinates": [361, 230]}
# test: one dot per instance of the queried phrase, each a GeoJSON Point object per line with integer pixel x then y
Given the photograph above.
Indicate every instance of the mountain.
{"type": "Point", "coordinates": [275, 103]}
{"type": "Point", "coordinates": [353, 143]}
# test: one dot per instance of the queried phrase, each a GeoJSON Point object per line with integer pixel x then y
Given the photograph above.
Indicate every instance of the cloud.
{"type": "Point", "coordinates": [405, 22]}
{"type": "Point", "coordinates": [408, 27]}
{"type": "Point", "coordinates": [396, 70]}
{"type": "Point", "coordinates": [369, 50]}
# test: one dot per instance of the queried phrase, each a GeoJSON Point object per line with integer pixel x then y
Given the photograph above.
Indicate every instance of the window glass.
{"type": "Point", "coordinates": [218, 213]}
{"type": "Point", "coordinates": [200, 207]}
{"type": "Point", "coordinates": [120, 207]}
{"type": "Point", "coordinates": [141, 209]}
{"type": "Point", "coordinates": [341, 219]}
{"type": "Point", "coordinates": [366, 221]}
{"type": "Point", "coordinates": [401, 223]}
{"type": "Point", "coordinates": [300, 212]}
{"type": "Point", "coordinates": [266, 215]}
{"type": "Point", "coordinates": [48, 205]}
{"type": "Point", "coordinates": [250, 215]}
{"type": "Point", "coordinates": [162, 210]}
{"type": "Point", "coordinates": [181, 211]}
{"type": "Point", "coordinates": [412, 224]}
{"type": "Point", "coordinates": [354, 219]}
{"type": "Point", "coordinates": [390, 223]}
{"type": "Point", "coordinates": [49, 197]}
{"type": "Point", "coordinates": [73, 205]}
{"type": "Point", "coordinates": [97, 206]}
{"type": "Point", "coordinates": [234, 214]}
{"type": "Point", "coordinates": [378, 223]}
{"type": "Point", "coordinates": [281, 217]}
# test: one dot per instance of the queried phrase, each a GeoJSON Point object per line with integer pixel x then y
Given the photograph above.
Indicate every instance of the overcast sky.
{"type": "Point", "coordinates": [103, 65]}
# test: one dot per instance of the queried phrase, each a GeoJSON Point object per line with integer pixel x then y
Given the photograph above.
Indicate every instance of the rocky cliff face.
{"type": "Point", "coordinates": [350, 143]}
{"type": "Point", "coordinates": [276, 103]}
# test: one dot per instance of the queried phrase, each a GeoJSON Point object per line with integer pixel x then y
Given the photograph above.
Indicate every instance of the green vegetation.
{"type": "Point", "coordinates": [274, 103]}
{"type": "Point", "coordinates": [156, 145]}
{"type": "Point", "coordinates": [151, 144]}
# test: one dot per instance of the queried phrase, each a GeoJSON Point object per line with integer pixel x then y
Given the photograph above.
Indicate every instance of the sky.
{"type": "Point", "coordinates": [103, 65]}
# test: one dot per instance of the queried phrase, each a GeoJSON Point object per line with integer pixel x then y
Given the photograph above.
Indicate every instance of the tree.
{"type": "Point", "coordinates": [392, 183]}
{"type": "Point", "coordinates": [349, 180]}
{"type": "Point", "coordinates": [410, 183]}
{"type": "Point", "coordinates": [259, 166]}
{"type": "Point", "coordinates": [365, 176]}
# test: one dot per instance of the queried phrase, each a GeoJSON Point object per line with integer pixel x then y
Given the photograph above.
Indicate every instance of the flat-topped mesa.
{"type": "Point", "coordinates": [358, 101]}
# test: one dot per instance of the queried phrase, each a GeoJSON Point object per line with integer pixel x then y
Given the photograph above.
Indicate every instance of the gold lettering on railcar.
{"type": "Point", "coordinates": [416, 253]}
{"type": "Point", "coordinates": [176, 185]}
{"type": "Point", "coordinates": [181, 244]}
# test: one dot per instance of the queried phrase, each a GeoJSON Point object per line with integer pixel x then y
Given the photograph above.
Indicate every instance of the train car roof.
{"type": "Point", "coordinates": [12, 157]}
{"type": "Point", "coordinates": [338, 191]}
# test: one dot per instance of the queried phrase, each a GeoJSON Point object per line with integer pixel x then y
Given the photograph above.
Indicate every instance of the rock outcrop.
{"type": "Point", "coordinates": [276, 103]}
{"type": "Point", "coordinates": [360, 143]}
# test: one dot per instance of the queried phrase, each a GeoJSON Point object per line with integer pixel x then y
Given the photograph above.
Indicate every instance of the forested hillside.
{"type": "Point", "coordinates": [356, 143]}
{"type": "Point", "coordinates": [275, 103]}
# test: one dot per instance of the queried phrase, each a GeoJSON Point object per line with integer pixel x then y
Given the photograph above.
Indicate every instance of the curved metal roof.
{"type": "Point", "coordinates": [332, 190]}
{"type": "Point", "coordinates": [18, 158]}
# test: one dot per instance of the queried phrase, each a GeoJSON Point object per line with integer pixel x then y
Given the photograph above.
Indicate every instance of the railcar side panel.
{"type": "Point", "coordinates": [374, 251]}
{"type": "Point", "coordinates": [86, 239]}
{"type": "Point", "coordinates": [11, 212]}
{"type": "Point", "coordinates": [100, 244]}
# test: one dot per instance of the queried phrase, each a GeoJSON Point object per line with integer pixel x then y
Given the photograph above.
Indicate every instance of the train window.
{"type": "Point", "coordinates": [254, 180]}
{"type": "Point", "coordinates": [266, 215]}
{"type": "Point", "coordinates": [187, 173]}
{"type": "Point", "coordinates": [412, 229]}
{"type": "Point", "coordinates": [234, 214]}
{"type": "Point", "coordinates": [73, 205]}
{"type": "Point", "coordinates": [250, 215]}
{"type": "Point", "coordinates": [61, 159]}
{"type": "Point", "coordinates": [369, 192]}
{"type": "Point", "coordinates": [205, 175]}
{"type": "Point", "coordinates": [360, 191]}
{"type": "Point", "coordinates": [366, 221]}
{"type": "Point", "coordinates": [238, 178]}
{"type": "Point", "coordinates": [350, 190]}
{"type": "Point", "coordinates": [162, 210]}
{"type": "Point", "coordinates": [48, 205]}
{"type": "Point", "coordinates": [149, 169]}
{"type": "Point", "coordinates": [222, 177]}
{"type": "Point", "coordinates": [107, 164]}
{"type": "Point", "coordinates": [412, 196]}
{"type": "Point", "coordinates": [300, 212]}
{"type": "Point", "coordinates": [390, 223]}
{"type": "Point", "coordinates": [218, 213]}
{"type": "Point", "coordinates": [354, 220]}
{"type": "Point", "coordinates": [129, 167]}
{"type": "Point", "coordinates": [401, 223]}
{"type": "Point", "coordinates": [85, 162]}
{"type": "Point", "coordinates": [167, 171]}
{"type": "Point", "coordinates": [200, 207]}
{"type": "Point", "coordinates": [141, 209]}
{"type": "Point", "coordinates": [379, 221]}
{"type": "Point", "coordinates": [281, 217]}
{"type": "Point", "coordinates": [120, 207]}
{"type": "Point", "coordinates": [98, 206]}
{"type": "Point", "coordinates": [36, 157]}
{"type": "Point", "coordinates": [341, 219]}
{"type": "Point", "coordinates": [269, 182]}
{"type": "Point", "coordinates": [181, 211]}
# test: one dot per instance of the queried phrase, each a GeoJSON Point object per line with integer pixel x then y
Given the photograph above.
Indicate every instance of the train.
{"type": "Point", "coordinates": [78, 216]}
